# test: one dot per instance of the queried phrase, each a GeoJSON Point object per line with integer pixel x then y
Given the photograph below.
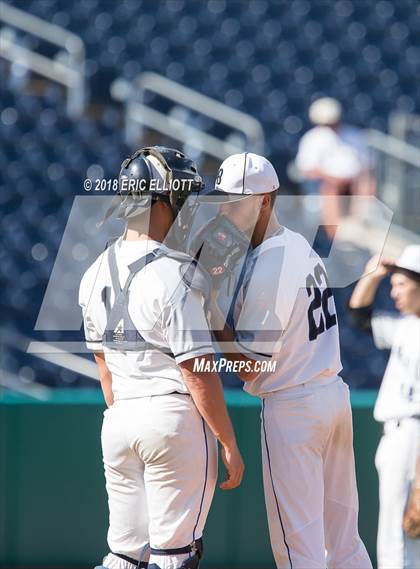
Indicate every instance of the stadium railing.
{"type": "Point", "coordinates": [67, 67]}
{"type": "Point", "coordinates": [397, 172]}
{"type": "Point", "coordinates": [139, 114]}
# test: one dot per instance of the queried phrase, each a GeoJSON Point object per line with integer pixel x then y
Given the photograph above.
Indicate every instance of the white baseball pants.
{"type": "Point", "coordinates": [309, 478]}
{"type": "Point", "coordinates": [160, 463]}
{"type": "Point", "coordinates": [396, 463]}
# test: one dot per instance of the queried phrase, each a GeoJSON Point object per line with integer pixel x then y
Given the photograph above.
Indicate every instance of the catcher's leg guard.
{"type": "Point", "coordinates": [193, 562]}
{"type": "Point", "coordinates": [136, 564]}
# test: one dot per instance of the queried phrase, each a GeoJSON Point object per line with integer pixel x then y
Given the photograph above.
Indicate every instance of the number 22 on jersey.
{"type": "Point", "coordinates": [319, 316]}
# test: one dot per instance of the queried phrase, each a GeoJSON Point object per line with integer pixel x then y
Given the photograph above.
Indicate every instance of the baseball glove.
{"type": "Point", "coordinates": [218, 246]}
{"type": "Point", "coordinates": [411, 520]}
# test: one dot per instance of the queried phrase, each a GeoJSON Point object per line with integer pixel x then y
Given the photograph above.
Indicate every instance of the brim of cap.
{"type": "Point", "coordinates": [393, 268]}
{"type": "Point", "coordinates": [217, 196]}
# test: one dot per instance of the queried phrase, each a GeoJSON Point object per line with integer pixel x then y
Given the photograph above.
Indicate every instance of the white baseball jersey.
{"type": "Point", "coordinates": [285, 311]}
{"type": "Point", "coordinates": [163, 310]}
{"type": "Point", "coordinates": [399, 395]}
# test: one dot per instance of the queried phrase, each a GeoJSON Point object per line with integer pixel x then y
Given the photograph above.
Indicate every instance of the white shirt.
{"type": "Point", "coordinates": [162, 309]}
{"type": "Point", "coordinates": [340, 153]}
{"type": "Point", "coordinates": [399, 395]}
{"type": "Point", "coordinates": [284, 311]}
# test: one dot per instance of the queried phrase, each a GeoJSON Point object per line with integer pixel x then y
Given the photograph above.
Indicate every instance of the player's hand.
{"type": "Point", "coordinates": [234, 465]}
{"type": "Point", "coordinates": [378, 267]}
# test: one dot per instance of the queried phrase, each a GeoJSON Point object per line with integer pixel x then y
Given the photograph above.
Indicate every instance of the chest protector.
{"type": "Point", "coordinates": [120, 331]}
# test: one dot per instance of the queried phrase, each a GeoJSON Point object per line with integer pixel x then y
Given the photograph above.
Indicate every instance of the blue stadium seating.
{"type": "Point", "coordinates": [267, 58]}
{"type": "Point", "coordinates": [256, 48]}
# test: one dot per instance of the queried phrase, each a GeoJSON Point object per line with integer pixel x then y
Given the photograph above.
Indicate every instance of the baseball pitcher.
{"type": "Point", "coordinates": [283, 310]}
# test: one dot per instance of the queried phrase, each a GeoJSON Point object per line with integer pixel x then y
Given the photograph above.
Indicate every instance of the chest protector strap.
{"type": "Point", "coordinates": [120, 332]}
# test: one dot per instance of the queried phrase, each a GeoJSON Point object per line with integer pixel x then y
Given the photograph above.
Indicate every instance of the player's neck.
{"type": "Point", "coordinates": [153, 226]}
{"type": "Point", "coordinates": [141, 233]}
{"type": "Point", "coordinates": [264, 228]}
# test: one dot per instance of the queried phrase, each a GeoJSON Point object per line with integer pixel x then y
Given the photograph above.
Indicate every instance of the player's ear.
{"type": "Point", "coordinates": [266, 201]}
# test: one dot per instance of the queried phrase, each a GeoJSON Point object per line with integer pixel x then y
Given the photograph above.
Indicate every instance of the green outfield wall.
{"type": "Point", "coordinates": [53, 508]}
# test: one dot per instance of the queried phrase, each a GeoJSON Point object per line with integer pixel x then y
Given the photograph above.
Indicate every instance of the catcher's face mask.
{"type": "Point", "coordinates": [140, 187]}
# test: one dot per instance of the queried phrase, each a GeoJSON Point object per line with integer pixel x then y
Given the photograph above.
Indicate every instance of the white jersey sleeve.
{"type": "Point", "coordinates": [384, 328]}
{"type": "Point", "coordinates": [185, 327]}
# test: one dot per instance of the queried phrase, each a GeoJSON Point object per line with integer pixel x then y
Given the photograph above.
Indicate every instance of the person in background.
{"type": "Point", "coordinates": [398, 403]}
{"type": "Point", "coordinates": [333, 159]}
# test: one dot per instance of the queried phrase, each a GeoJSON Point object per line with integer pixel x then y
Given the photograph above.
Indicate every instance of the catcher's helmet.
{"type": "Point", "coordinates": [153, 174]}
{"type": "Point", "coordinates": [156, 173]}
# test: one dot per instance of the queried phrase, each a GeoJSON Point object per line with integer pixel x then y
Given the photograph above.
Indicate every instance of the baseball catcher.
{"type": "Point", "coordinates": [144, 319]}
